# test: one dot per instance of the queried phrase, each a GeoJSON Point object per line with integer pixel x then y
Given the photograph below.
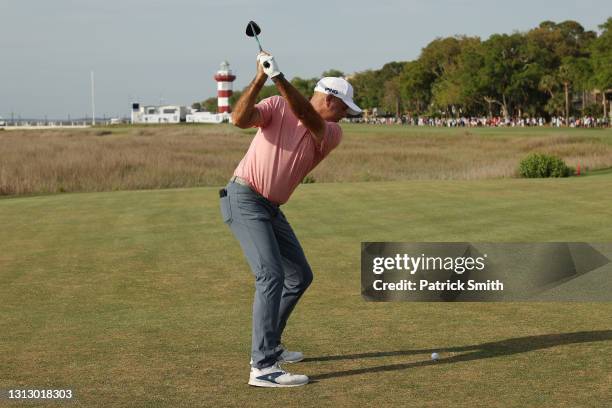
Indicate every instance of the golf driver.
{"type": "Point", "coordinates": [251, 31]}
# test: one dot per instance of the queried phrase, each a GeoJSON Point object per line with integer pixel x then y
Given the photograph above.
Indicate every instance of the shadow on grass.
{"type": "Point", "coordinates": [479, 351]}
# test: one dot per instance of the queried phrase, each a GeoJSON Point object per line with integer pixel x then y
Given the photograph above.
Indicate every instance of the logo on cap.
{"type": "Point", "coordinates": [332, 91]}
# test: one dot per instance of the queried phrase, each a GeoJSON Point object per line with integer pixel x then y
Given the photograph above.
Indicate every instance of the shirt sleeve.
{"type": "Point", "coordinates": [267, 107]}
{"type": "Point", "coordinates": [332, 138]}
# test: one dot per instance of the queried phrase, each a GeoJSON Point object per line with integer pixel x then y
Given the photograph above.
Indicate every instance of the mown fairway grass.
{"type": "Point", "coordinates": [143, 299]}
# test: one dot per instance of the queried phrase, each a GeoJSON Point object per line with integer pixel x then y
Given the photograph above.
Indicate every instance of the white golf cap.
{"type": "Point", "coordinates": [340, 88]}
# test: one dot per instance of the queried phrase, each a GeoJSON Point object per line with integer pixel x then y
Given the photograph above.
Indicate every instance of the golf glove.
{"type": "Point", "coordinates": [269, 65]}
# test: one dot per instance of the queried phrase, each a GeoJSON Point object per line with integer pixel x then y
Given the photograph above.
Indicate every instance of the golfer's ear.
{"type": "Point", "coordinates": [328, 99]}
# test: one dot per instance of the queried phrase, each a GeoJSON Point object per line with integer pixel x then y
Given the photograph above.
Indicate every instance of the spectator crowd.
{"type": "Point", "coordinates": [555, 121]}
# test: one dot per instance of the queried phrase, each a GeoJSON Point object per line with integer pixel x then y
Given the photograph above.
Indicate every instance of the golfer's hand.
{"type": "Point", "coordinates": [268, 64]}
{"type": "Point", "coordinates": [260, 69]}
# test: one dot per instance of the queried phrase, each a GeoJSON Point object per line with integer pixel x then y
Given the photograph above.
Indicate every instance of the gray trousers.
{"type": "Point", "coordinates": [276, 258]}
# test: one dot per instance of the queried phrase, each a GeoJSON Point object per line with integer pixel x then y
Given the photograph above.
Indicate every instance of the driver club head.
{"type": "Point", "coordinates": [252, 30]}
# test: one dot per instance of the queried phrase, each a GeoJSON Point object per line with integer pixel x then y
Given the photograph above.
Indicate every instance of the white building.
{"type": "Point", "coordinates": [208, 117]}
{"type": "Point", "coordinates": [175, 114]}
{"type": "Point", "coordinates": [159, 114]}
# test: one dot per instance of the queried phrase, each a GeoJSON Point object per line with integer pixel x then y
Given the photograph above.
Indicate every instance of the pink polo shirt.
{"type": "Point", "coordinates": [283, 151]}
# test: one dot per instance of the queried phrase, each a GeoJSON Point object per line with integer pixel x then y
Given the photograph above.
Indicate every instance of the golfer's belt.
{"type": "Point", "coordinates": [245, 183]}
{"type": "Point", "coordinates": [241, 181]}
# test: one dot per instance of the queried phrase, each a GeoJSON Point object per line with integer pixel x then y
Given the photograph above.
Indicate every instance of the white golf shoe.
{"type": "Point", "coordinates": [274, 376]}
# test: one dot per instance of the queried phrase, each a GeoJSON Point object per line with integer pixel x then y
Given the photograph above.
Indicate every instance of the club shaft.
{"type": "Point", "coordinates": [258, 43]}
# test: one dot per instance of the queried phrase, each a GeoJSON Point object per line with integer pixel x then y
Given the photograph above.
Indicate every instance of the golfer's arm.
{"type": "Point", "coordinates": [244, 114]}
{"type": "Point", "coordinates": [301, 107]}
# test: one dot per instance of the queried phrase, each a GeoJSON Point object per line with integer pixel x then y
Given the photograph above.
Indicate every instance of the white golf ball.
{"type": "Point", "coordinates": [435, 356]}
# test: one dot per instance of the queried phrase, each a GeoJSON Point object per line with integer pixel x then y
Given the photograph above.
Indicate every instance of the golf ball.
{"type": "Point", "coordinates": [435, 356]}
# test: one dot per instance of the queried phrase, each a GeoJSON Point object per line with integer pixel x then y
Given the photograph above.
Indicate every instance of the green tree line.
{"type": "Point", "coordinates": [536, 73]}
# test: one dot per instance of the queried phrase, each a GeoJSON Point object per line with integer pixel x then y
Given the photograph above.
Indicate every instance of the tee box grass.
{"type": "Point", "coordinates": [143, 299]}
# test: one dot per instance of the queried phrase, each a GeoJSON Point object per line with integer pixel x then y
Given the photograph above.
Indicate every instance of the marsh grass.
{"type": "Point", "coordinates": [133, 158]}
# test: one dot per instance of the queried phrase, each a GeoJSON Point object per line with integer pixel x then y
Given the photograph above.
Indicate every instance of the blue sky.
{"type": "Point", "coordinates": [153, 50]}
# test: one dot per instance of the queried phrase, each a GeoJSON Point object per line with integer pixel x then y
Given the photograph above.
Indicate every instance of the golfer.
{"type": "Point", "coordinates": [294, 136]}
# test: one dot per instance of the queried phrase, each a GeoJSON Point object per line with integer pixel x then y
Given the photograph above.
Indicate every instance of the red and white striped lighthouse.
{"type": "Point", "coordinates": [224, 80]}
